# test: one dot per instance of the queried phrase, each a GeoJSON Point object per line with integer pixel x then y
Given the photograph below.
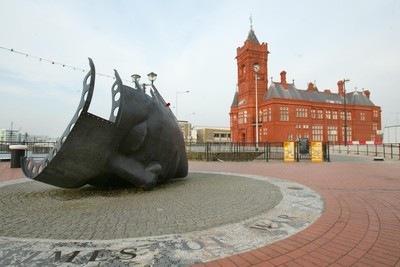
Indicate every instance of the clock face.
{"type": "Point", "coordinates": [256, 67]}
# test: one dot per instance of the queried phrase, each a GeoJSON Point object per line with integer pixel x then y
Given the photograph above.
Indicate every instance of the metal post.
{"type": "Point", "coordinates": [256, 112]}
{"type": "Point", "coordinates": [391, 151]}
{"type": "Point", "coordinates": [327, 150]}
{"type": "Point", "coordinates": [206, 150]}
{"type": "Point", "coordinates": [345, 111]}
{"type": "Point", "coordinates": [237, 151]}
{"type": "Point", "coordinates": [264, 149]}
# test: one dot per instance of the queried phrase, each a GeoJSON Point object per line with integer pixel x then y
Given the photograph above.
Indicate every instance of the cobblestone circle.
{"type": "Point", "coordinates": [197, 202]}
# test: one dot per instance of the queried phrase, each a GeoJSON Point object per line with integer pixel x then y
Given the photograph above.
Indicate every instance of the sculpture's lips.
{"type": "Point", "coordinates": [140, 144]}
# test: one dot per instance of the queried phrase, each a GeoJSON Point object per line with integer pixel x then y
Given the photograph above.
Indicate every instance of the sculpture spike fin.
{"type": "Point", "coordinates": [91, 64]}
{"type": "Point", "coordinates": [117, 76]}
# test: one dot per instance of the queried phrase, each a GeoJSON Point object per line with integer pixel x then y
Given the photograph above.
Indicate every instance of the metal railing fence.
{"type": "Point", "coordinates": [36, 149]}
{"type": "Point", "coordinates": [388, 151]}
{"type": "Point", "coordinates": [230, 151]}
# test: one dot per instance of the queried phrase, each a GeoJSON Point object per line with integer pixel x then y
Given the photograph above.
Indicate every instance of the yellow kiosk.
{"type": "Point", "coordinates": [288, 152]}
{"type": "Point", "coordinates": [316, 152]}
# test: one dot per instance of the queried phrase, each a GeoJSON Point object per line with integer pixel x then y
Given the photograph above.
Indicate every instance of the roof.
{"type": "Point", "coordinates": [252, 37]}
{"type": "Point", "coordinates": [276, 90]}
{"type": "Point", "coordinates": [212, 128]}
{"type": "Point", "coordinates": [235, 100]}
{"type": "Point", "coordinates": [358, 98]}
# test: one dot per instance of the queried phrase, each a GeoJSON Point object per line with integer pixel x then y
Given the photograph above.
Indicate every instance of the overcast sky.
{"type": "Point", "coordinates": [191, 45]}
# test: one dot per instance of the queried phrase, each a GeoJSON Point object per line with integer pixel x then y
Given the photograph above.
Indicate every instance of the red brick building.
{"type": "Point", "coordinates": [286, 113]}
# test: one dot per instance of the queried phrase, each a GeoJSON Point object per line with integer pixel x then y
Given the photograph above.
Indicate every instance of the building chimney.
{"type": "Point", "coordinates": [340, 87]}
{"type": "Point", "coordinates": [367, 93]}
{"type": "Point", "coordinates": [327, 91]}
{"type": "Point", "coordinates": [283, 79]}
{"type": "Point", "coordinates": [310, 86]}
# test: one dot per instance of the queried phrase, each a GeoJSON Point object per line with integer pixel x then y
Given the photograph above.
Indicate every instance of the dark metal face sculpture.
{"type": "Point", "coordinates": [141, 143]}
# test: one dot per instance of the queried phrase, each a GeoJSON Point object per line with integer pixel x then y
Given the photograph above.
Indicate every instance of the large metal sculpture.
{"type": "Point", "coordinates": [140, 144]}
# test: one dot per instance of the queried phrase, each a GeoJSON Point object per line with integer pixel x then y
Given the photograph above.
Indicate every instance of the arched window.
{"type": "Point", "coordinates": [320, 115]}
{"type": "Point", "coordinates": [312, 113]}
{"type": "Point", "coordinates": [334, 115]}
{"type": "Point", "coordinates": [328, 114]}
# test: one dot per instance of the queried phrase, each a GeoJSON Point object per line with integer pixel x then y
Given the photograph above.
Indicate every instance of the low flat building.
{"type": "Point", "coordinates": [213, 134]}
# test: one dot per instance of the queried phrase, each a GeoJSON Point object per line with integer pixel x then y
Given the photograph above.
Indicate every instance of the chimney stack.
{"type": "Point", "coordinates": [283, 79]}
{"type": "Point", "coordinates": [341, 88]}
{"type": "Point", "coordinates": [310, 86]}
{"type": "Point", "coordinates": [367, 93]}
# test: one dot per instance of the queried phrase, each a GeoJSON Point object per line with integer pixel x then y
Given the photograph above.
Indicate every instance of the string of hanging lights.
{"type": "Point", "coordinates": [53, 62]}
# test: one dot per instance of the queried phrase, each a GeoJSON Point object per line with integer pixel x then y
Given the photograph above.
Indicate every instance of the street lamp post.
{"type": "Point", "coordinates": [190, 127]}
{"type": "Point", "coordinates": [256, 68]}
{"type": "Point", "coordinates": [152, 77]}
{"type": "Point", "coordinates": [136, 77]}
{"type": "Point", "coordinates": [176, 101]}
{"type": "Point", "coordinates": [256, 112]}
{"type": "Point", "coordinates": [345, 111]}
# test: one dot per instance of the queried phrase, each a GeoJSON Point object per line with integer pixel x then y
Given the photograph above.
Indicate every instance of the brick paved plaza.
{"type": "Point", "coordinates": [358, 226]}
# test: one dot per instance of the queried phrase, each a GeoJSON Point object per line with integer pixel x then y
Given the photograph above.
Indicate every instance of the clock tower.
{"type": "Point", "coordinates": [252, 66]}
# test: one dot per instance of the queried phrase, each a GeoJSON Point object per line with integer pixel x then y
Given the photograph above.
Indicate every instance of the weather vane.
{"type": "Point", "coordinates": [251, 21]}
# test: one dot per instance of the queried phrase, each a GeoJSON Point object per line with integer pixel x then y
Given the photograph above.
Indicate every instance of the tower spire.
{"type": "Point", "coordinates": [252, 36]}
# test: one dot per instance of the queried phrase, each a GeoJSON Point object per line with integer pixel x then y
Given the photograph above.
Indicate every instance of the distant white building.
{"type": "Point", "coordinates": [194, 134]}
{"type": "Point", "coordinates": [2, 135]}
{"type": "Point", "coordinates": [15, 136]}
{"type": "Point", "coordinates": [10, 136]}
{"type": "Point", "coordinates": [391, 134]}
{"type": "Point", "coordinates": [39, 138]}
{"type": "Point", "coordinates": [189, 135]}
